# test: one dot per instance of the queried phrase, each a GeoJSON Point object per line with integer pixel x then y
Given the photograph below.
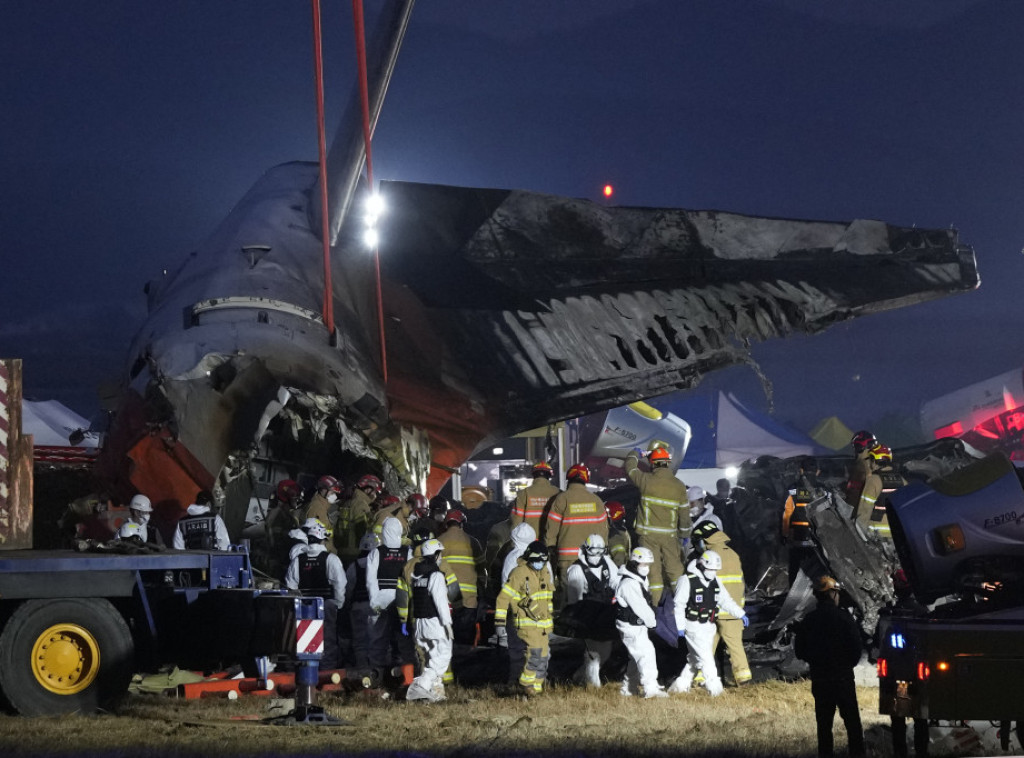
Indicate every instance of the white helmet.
{"type": "Point", "coordinates": [431, 547]}
{"type": "Point", "coordinates": [315, 528]}
{"type": "Point", "coordinates": [696, 493]}
{"type": "Point", "coordinates": [368, 541]}
{"type": "Point", "coordinates": [642, 555]}
{"type": "Point", "coordinates": [140, 503]}
{"type": "Point", "coordinates": [710, 561]}
{"type": "Point", "coordinates": [594, 545]}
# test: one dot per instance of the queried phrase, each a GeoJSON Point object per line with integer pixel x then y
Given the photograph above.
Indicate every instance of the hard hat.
{"type": "Point", "coordinates": [705, 529]}
{"type": "Point", "coordinates": [288, 491]}
{"type": "Point", "coordinates": [315, 529]}
{"type": "Point", "coordinates": [328, 483]}
{"type": "Point", "coordinates": [418, 513]}
{"type": "Point", "coordinates": [594, 545]}
{"type": "Point", "coordinates": [660, 456]}
{"type": "Point", "coordinates": [535, 551]}
{"type": "Point", "coordinates": [416, 500]}
{"type": "Point", "coordinates": [710, 561]}
{"type": "Point", "coordinates": [615, 510]}
{"type": "Point", "coordinates": [455, 516]}
{"type": "Point", "coordinates": [541, 468]}
{"type": "Point", "coordinates": [862, 440]}
{"type": "Point", "coordinates": [825, 584]}
{"type": "Point", "coordinates": [386, 501]}
{"type": "Point", "coordinates": [880, 453]}
{"type": "Point", "coordinates": [578, 472]}
{"type": "Point", "coordinates": [370, 482]}
{"type": "Point", "coordinates": [419, 536]}
{"type": "Point", "coordinates": [439, 504]}
{"type": "Point", "coordinates": [696, 493]}
{"type": "Point", "coordinates": [140, 503]}
{"type": "Point", "coordinates": [642, 555]}
{"type": "Point", "coordinates": [431, 547]}
{"type": "Point", "coordinates": [368, 541]}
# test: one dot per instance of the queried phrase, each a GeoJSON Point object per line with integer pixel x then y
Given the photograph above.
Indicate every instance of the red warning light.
{"type": "Point", "coordinates": [608, 190]}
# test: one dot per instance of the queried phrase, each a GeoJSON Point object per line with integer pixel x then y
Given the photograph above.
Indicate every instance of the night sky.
{"type": "Point", "coordinates": [128, 130]}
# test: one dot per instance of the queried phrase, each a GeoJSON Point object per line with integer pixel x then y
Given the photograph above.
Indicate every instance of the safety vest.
{"type": "Point", "coordinates": [879, 521]}
{"type": "Point", "coordinates": [199, 532]}
{"type": "Point", "coordinates": [360, 594]}
{"type": "Point", "coordinates": [389, 568]}
{"type": "Point", "coordinates": [625, 613]}
{"type": "Point", "coordinates": [423, 606]}
{"type": "Point", "coordinates": [702, 605]}
{"type": "Point", "coordinates": [313, 576]}
{"type": "Point", "coordinates": [598, 588]}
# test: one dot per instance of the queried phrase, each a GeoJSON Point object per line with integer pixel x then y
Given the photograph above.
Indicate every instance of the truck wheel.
{"type": "Point", "coordinates": [65, 655]}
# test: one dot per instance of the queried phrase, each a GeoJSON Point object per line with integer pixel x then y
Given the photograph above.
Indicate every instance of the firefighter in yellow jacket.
{"type": "Point", "coordinates": [528, 595]}
{"type": "Point", "coordinates": [466, 560]}
{"type": "Point", "coordinates": [355, 516]}
{"type": "Point", "coordinates": [531, 501]}
{"type": "Point", "coordinates": [663, 521]}
{"type": "Point", "coordinates": [575, 515]}
{"type": "Point", "coordinates": [729, 627]}
{"type": "Point", "coordinates": [881, 480]}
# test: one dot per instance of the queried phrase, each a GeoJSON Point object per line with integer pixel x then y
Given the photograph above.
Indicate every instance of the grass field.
{"type": "Point", "coordinates": [767, 719]}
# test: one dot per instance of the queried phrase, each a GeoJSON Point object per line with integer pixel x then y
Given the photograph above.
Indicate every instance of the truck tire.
{"type": "Point", "coordinates": [65, 655]}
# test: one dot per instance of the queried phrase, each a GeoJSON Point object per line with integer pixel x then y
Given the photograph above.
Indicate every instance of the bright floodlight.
{"type": "Point", "coordinates": [375, 204]}
{"type": "Point", "coordinates": [731, 472]}
{"type": "Point", "coordinates": [608, 190]}
{"type": "Point", "coordinates": [498, 451]}
{"type": "Point", "coordinates": [371, 238]}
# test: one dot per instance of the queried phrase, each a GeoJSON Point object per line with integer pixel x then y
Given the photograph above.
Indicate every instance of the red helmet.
{"type": "Point", "coordinates": [386, 501]}
{"type": "Point", "coordinates": [660, 455]}
{"type": "Point", "coordinates": [288, 491]}
{"type": "Point", "coordinates": [578, 472]}
{"type": "Point", "coordinates": [455, 516]}
{"type": "Point", "coordinates": [418, 513]}
{"type": "Point", "coordinates": [881, 453]}
{"type": "Point", "coordinates": [328, 483]}
{"type": "Point", "coordinates": [370, 482]}
{"type": "Point", "coordinates": [862, 441]}
{"type": "Point", "coordinates": [615, 511]}
{"type": "Point", "coordinates": [416, 500]}
{"type": "Point", "coordinates": [541, 468]}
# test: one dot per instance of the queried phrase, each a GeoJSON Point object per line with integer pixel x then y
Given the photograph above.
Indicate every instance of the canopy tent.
{"type": "Point", "coordinates": [832, 433]}
{"type": "Point", "coordinates": [51, 423]}
{"type": "Point", "coordinates": [726, 433]}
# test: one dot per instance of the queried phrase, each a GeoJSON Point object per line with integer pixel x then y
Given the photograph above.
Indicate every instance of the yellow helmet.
{"type": "Point", "coordinates": [826, 583]}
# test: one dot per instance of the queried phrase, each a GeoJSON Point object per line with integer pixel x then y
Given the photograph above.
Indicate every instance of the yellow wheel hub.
{"type": "Point", "coordinates": [65, 659]}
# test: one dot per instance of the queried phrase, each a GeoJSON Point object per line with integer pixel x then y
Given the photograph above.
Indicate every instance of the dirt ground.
{"type": "Point", "coordinates": [766, 719]}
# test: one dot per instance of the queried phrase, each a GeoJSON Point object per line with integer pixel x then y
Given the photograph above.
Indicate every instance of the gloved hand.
{"type": "Point", "coordinates": [405, 629]}
{"type": "Point", "coordinates": [746, 621]}
{"type": "Point", "coordinates": [502, 634]}
{"type": "Point", "coordinates": [448, 632]}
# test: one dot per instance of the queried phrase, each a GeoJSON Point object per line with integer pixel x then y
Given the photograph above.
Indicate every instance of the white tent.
{"type": "Point", "coordinates": [50, 423]}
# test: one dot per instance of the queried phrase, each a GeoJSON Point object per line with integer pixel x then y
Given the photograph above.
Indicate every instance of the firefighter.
{"type": "Point", "coordinates": [200, 528]}
{"type": "Point", "coordinates": [433, 626]}
{"type": "Point", "coordinates": [592, 580]}
{"type": "Point", "coordinates": [531, 501]}
{"type": "Point", "coordinates": [323, 505]}
{"type": "Point", "coordinates": [464, 555]}
{"type": "Point", "coordinates": [383, 570]}
{"type": "Point", "coordinates": [357, 603]}
{"type": "Point", "coordinates": [391, 506]}
{"type": "Point", "coordinates": [283, 518]}
{"type": "Point", "coordinates": [663, 521]}
{"type": "Point", "coordinates": [699, 598]}
{"type": "Point", "coordinates": [882, 479]}
{"type": "Point", "coordinates": [354, 518]}
{"type": "Point", "coordinates": [862, 442]}
{"type": "Point", "coordinates": [728, 627]}
{"type": "Point", "coordinates": [438, 508]}
{"type": "Point", "coordinates": [796, 526]}
{"type": "Point", "coordinates": [316, 572]}
{"type": "Point", "coordinates": [620, 543]}
{"type": "Point", "coordinates": [634, 617]}
{"type": "Point", "coordinates": [137, 525]}
{"type": "Point", "coordinates": [575, 514]}
{"type": "Point", "coordinates": [527, 599]}
{"type": "Point", "coordinates": [829, 640]}
{"type": "Point", "coordinates": [505, 634]}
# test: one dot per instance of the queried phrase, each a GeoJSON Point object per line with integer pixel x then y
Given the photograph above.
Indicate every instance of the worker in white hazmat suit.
{"type": "Point", "coordinates": [635, 615]}
{"type": "Point", "coordinates": [383, 568]}
{"type": "Point", "coordinates": [593, 579]}
{"type": "Point", "coordinates": [698, 598]}
{"type": "Point", "coordinates": [433, 619]}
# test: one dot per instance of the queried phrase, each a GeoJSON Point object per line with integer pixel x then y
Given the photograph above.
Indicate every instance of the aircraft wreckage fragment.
{"type": "Point", "coordinates": [503, 311]}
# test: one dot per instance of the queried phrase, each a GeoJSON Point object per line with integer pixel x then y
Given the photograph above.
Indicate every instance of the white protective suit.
{"type": "Point", "coordinates": [643, 665]}
{"type": "Point", "coordinates": [222, 538]}
{"type": "Point", "coordinates": [336, 578]}
{"type": "Point", "coordinates": [434, 640]}
{"type": "Point", "coordinates": [700, 634]}
{"type": "Point", "coordinates": [597, 652]}
{"type": "Point", "coordinates": [383, 620]}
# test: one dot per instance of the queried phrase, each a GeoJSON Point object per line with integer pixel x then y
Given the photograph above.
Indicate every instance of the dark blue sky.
{"type": "Point", "coordinates": [128, 130]}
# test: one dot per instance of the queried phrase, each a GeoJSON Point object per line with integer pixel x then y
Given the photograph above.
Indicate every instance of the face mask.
{"type": "Point", "coordinates": [593, 559]}
{"type": "Point", "coordinates": [710, 573]}
{"type": "Point", "coordinates": [332, 497]}
{"type": "Point", "coordinates": [142, 518]}
{"type": "Point", "coordinates": [643, 569]}
{"type": "Point", "coordinates": [536, 565]}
